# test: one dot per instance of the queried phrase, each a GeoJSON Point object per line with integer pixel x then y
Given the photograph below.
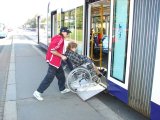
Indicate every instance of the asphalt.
{"type": "Point", "coordinates": [26, 69]}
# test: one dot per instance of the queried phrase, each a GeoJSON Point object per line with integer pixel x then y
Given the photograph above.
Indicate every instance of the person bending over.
{"type": "Point", "coordinates": [54, 57]}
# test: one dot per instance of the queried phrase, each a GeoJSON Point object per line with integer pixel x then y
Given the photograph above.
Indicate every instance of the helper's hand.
{"type": "Point", "coordinates": [64, 57]}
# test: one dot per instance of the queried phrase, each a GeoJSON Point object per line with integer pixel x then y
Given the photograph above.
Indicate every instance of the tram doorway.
{"type": "Point", "coordinates": [98, 37]}
{"type": "Point", "coordinates": [97, 44]}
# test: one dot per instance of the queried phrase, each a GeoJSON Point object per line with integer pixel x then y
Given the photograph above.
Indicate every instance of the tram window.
{"type": "Point", "coordinates": [72, 24]}
{"type": "Point", "coordinates": [58, 22]}
{"type": "Point", "coordinates": [73, 19]}
{"type": "Point", "coordinates": [79, 28]}
{"type": "Point", "coordinates": [62, 19]}
{"type": "Point", "coordinates": [69, 21]}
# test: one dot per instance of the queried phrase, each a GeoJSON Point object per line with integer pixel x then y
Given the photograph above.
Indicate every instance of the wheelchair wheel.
{"type": "Point", "coordinates": [78, 79]}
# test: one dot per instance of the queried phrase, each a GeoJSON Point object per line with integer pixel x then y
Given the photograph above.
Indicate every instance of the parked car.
{"type": "Point", "coordinates": [3, 32]}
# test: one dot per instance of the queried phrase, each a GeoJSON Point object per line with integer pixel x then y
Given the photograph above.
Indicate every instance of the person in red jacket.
{"type": "Point", "coordinates": [54, 57]}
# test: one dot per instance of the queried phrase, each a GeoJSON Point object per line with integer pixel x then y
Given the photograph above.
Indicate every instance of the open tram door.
{"type": "Point", "coordinates": [120, 48]}
{"type": "Point", "coordinates": [97, 44]}
{"type": "Point", "coordinates": [55, 21]}
{"type": "Point", "coordinates": [109, 44]}
{"type": "Point", "coordinates": [98, 37]}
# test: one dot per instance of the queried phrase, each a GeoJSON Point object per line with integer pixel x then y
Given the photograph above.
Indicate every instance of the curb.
{"type": "Point", "coordinates": [10, 107]}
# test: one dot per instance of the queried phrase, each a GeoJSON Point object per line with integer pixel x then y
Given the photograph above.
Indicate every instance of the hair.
{"type": "Point", "coordinates": [61, 34]}
{"type": "Point", "coordinates": [71, 45]}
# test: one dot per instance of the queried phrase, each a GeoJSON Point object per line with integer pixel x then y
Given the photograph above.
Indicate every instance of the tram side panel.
{"type": "Point", "coordinates": [118, 49]}
{"type": "Point", "coordinates": [137, 92]}
{"type": "Point", "coordinates": [155, 99]}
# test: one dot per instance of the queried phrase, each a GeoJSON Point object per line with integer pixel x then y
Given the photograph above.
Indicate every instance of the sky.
{"type": "Point", "coordinates": [16, 12]}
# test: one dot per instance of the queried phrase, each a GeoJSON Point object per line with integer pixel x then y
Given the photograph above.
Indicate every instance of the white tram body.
{"type": "Point", "coordinates": [127, 33]}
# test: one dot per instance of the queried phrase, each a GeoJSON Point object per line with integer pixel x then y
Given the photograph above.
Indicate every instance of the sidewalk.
{"type": "Point", "coordinates": [27, 69]}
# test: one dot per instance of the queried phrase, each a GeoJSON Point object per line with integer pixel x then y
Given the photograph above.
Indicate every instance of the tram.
{"type": "Point", "coordinates": [120, 36]}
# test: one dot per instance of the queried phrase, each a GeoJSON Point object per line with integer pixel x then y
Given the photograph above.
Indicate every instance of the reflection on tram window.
{"type": "Point", "coordinates": [75, 25]}
{"type": "Point", "coordinates": [105, 44]}
{"type": "Point", "coordinates": [69, 21]}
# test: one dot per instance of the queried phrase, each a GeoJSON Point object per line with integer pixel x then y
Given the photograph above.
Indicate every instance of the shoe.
{"type": "Point", "coordinates": [99, 75]}
{"type": "Point", "coordinates": [37, 95]}
{"type": "Point", "coordinates": [104, 73]}
{"type": "Point", "coordinates": [101, 70]}
{"type": "Point", "coordinates": [65, 91]}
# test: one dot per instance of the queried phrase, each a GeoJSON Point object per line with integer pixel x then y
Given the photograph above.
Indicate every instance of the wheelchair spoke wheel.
{"type": "Point", "coordinates": [78, 79]}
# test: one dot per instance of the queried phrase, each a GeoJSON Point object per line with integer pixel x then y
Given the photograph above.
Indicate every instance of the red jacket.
{"type": "Point", "coordinates": [57, 43]}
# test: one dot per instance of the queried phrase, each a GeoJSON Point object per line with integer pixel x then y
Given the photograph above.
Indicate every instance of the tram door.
{"type": "Point", "coordinates": [119, 49]}
{"type": "Point", "coordinates": [99, 33]}
{"type": "Point", "coordinates": [110, 42]}
{"type": "Point", "coordinates": [53, 23]}
{"type": "Point", "coordinates": [99, 13]}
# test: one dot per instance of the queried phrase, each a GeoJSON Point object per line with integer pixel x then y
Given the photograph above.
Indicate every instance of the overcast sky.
{"type": "Point", "coordinates": [16, 12]}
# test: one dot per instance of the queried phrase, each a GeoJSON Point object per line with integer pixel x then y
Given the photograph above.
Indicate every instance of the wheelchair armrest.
{"type": "Point", "coordinates": [89, 66]}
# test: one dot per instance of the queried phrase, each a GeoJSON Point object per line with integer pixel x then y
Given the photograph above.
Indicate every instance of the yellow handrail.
{"type": "Point", "coordinates": [100, 45]}
{"type": "Point", "coordinates": [92, 48]}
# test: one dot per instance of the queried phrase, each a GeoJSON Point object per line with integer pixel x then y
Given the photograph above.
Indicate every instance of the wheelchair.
{"type": "Point", "coordinates": [80, 78]}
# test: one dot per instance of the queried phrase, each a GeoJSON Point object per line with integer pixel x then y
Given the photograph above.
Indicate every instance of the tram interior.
{"type": "Point", "coordinates": [99, 33]}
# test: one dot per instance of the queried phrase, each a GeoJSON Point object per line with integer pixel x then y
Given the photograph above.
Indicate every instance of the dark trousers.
{"type": "Point", "coordinates": [52, 72]}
